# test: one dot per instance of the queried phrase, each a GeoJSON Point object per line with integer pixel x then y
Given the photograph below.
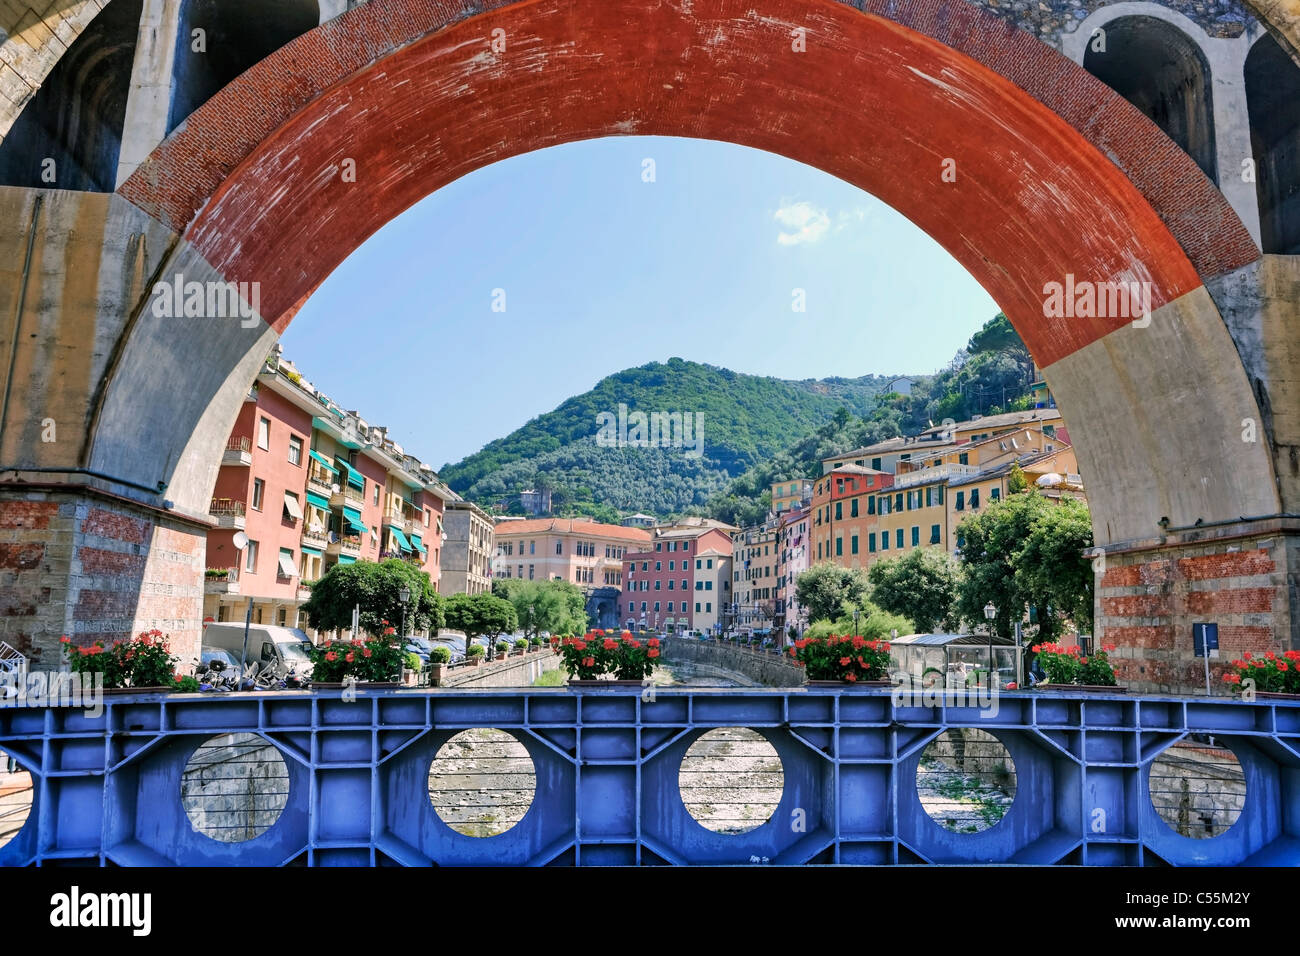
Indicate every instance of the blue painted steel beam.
{"type": "Point", "coordinates": [107, 787]}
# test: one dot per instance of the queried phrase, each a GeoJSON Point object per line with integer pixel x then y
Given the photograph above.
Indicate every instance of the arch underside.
{"type": "Point", "coordinates": [1070, 183]}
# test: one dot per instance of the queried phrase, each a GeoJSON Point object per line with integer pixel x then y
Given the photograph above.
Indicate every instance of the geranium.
{"type": "Point", "coordinates": [1271, 674]}
{"type": "Point", "coordinates": [826, 658]}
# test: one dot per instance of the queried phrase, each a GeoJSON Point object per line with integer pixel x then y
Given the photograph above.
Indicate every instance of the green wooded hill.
{"type": "Point", "coordinates": [746, 419]}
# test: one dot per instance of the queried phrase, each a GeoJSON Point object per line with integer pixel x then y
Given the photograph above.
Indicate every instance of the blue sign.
{"type": "Point", "coordinates": [1206, 639]}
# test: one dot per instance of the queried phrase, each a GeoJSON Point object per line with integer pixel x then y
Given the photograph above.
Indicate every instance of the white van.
{"type": "Point", "coordinates": [267, 643]}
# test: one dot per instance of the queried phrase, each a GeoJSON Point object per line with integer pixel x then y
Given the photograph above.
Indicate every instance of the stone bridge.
{"type": "Point", "coordinates": [1152, 146]}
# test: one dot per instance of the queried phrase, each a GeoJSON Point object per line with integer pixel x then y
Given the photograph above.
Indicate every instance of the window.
{"type": "Point", "coordinates": [286, 568]}
{"type": "Point", "coordinates": [853, 508]}
{"type": "Point", "coordinates": [657, 583]}
{"type": "Point", "coordinates": [884, 541]}
{"type": "Point", "coordinates": [264, 433]}
{"type": "Point", "coordinates": [643, 607]}
{"type": "Point", "coordinates": [710, 564]}
{"type": "Point", "coordinates": [916, 536]}
{"type": "Point", "coordinates": [670, 584]}
{"type": "Point", "coordinates": [961, 501]}
{"type": "Point", "coordinates": [697, 607]}
{"type": "Point", "coordinates": [853, 544]}
{"type": "Point", "coordinates": [871, 543]}
{"type": "Point", "coordinates": [963, 458]}
{"type": "Point", "coordinates": [259, 489]}
{"type": "Point", "coordinates": [898, 538]}
{"type": "Point", "coordinates": [670, 607]}
{"type": "Point", "coordinates": [839, 547]}
{"type": "Point", "coordinates": [875, 464]}
{"type": "Point", "coordinates": [530, 571]}
{"type": "Point", "coordinates": [670, 565]}
{"type": "Point", "coordinates": [898, 501]}
{"type": "Point", "coordinates": [295, 450]}
{"type": "Point", "coordinates": [934, 534]}
{"type": "Point", "coordinates": [532, 547]}
{"type": "Point", "coordinates": [656, 607]}
{"type": "Point", "coordinates": [659, 565]}
{"type": "Point", "coordinates": [839, 510]}
{"type": "Point", "coordinates": [685, 586]}
{"type": "Point", "coordinates": [292, 509]}
{"type": "Point", "coordinates": [974, 498]}
{"type": "Point", "coordinates": [995, 494]}
{"type": "Point", "coordinates": [559, 547]}
{"type": "Point", "coordinates": [708, 585]}
{"type": "Point", "coordinates": [708, 607]}
{"type": "Point", "coordinates": [871, 505]}
{"type": "Point", "coordinates": [699, 585]}
{"type": "Point", "coordinates": [250, 557]}
{"type": "Point", "coordinates": [698, 564]}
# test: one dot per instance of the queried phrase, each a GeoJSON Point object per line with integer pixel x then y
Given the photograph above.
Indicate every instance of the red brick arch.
{"type": "Point", "coordinates": [1056, 174]}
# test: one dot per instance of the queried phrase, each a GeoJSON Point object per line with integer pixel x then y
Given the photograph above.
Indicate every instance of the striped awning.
{"type": "Point", "coordinates": [322, 461]}
{"type": "Point", "coordinates": [352, 518]}
{"type": "Point", "coordinates": [355, 478]}
{"type": "Point", "coordinates": [347, 559]}
{"type": "Point", "coordinates": [399, 538]}
{"type": "Point", "coordinates": [318, 501]}
{"type": "Point", "coordinates": [419, 544]}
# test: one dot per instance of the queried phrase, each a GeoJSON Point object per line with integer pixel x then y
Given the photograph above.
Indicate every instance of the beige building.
{"type": "Point", "coordinates": [580, 551]}
{"type": "Point", "coordinates": [468, 548]}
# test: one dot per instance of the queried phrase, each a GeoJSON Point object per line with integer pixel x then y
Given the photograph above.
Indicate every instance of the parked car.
{"type": "Point", "coordinates": [267, 644]}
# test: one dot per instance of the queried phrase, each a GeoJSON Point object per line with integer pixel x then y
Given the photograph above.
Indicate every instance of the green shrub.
{"type": "Point", "coordinates": [413, 662]}
{"type": "Point", "coordinates": [440, 654]}
{"type": "Point", "coordinates": [521, 644]}
{"type": "Point", "coordinates": [502, 647]}
{"type": "Point", "coordinates": [475, 650]}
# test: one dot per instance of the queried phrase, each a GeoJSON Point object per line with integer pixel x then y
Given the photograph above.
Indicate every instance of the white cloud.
{"type": "Point", "coordinates": [801, 222]}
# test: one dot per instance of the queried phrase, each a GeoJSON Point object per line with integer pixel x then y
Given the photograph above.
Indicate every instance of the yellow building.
{"type": "Point", "coordinates": [788, 495]}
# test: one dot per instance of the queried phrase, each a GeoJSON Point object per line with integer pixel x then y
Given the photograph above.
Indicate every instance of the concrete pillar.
{"type": "Point", "coordinates": [1241, 576]}
{"type": "Point", "coordinates": [79, 561]}
{"type": "Point", "coordinates": [149, 101]}
{"type": "Point", "coordinates": [1227, 60]}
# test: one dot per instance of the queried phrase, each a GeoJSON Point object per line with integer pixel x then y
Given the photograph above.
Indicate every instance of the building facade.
{"type": "Point", "coordinates": [303, 486]}
{"type": "Point", "coordinates": [468, 549]}
{"type": "Point", "coordinates": [789, 495]}
{"type": "Point", "coordinates": [663, 584]}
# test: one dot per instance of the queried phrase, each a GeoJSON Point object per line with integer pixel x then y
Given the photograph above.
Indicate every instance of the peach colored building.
{"type": "Point", "coordinates": [583, 552]}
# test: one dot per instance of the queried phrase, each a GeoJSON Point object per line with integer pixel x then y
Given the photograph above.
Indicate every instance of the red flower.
{"type": "Point", "coordinates": [350, 657]}
{"type": "Point", "coordinates": [1246, 655]}
{"type": "Point", "coordinates": [367, 652]}
{"type": "Point", "coordinates": [844, 661]}
{"type": "Point", "coordinates": [389, 630]}
{"type": "Point", "coordinates": [1271, 656]}
{"type": "Point", "coordinates": [331, 656]}
{"type": "Point", "coordinates": [1108, 647]}
{"type": "Point", "coordinates": [1011, 685]}
{"type": "Point", "coordinates": [1283, 666]}
{"type": "Point", "coordinates": [1232, 678]}
{"type": "Point", "coordinates": [589, 662]}
{"type": "Point", "coordinates": [851, 677]}
{"type": "Point", "coordinates": [653, 652]}
{"type": "Point", "coordinates": [579, 645]}
{"type": "Point", "coordinates": [610, 644]}
{"type": "Point", "coordinates": [793, 652]}
{"type": "Point", "coordinates": [654, 642]}
{"type": "Point", "coordinates": [65, 639]}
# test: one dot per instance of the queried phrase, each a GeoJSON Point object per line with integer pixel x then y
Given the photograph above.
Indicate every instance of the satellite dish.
{"type": "Point", "coordinates": [335, 488]}
{"type": "Point", "coordinates": [1049, 480]}
{"type": "Point", "coordinates": [240, 541]}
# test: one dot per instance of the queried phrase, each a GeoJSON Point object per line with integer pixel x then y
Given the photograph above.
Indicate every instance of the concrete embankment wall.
{"type": "Point", "coordinates": [769, 670]}
{"type": "Point", "coordinates": [512, 672]}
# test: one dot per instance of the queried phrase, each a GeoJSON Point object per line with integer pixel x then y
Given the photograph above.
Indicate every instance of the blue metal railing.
{"type": "Point", "coordinates": [107, 788]}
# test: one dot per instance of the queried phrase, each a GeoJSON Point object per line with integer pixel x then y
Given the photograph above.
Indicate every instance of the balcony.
{"type": "Point", "coordinates": [348, 496]}
{"type": "Point", "coordinates": [315, 539]}
{"type": "Point", "coordinates": [934, 473]}
{"type": "Point", "coordinates": [318, 484]}
{"type": "Point", "coordinates": [348, 544]}
{"type": "Point", "coordinates": [221, 581]}
{"type": "Point", "coordinates": [238, 452]}
{"type": "Point", "coordinates": [304, 592]}
{"type": "Point", "coordinates": [229, 513]}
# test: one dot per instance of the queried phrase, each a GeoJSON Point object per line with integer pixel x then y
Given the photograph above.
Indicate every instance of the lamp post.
{"type": "Point", "coordinates": [990, 612]}
{"type": "Point", "coordinates": [855, 622]}
{"type": "Point", "coordinates": [404, 595]}
{"type": "Point", "coordinates": [532, 618]}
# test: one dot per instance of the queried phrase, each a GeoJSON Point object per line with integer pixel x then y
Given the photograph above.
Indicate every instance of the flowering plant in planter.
{"type": "Point", "coordinates": [1067, 665]}
{"type": "Point", "coordinates": [597, 653]}
{"type": "Point", "coordinates": [1272, 674]}
{"type": "Point", "coordinates": [376, 659]}
{"type": "Point", "coordinates": [143, 661]}
{"type": "Point", "coordinates": [846, 658]}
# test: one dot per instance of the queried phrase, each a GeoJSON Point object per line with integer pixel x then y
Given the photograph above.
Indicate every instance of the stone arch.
{"type": "Point", "coordinates": [75, 119]}
{"type": "Point", "coordinates": [1161, 70]}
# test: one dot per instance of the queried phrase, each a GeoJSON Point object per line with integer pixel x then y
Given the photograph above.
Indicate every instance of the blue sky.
{"type": "Point", "coordinates": [603, 270]}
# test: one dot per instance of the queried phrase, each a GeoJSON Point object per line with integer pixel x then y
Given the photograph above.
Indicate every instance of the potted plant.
{"type": "Point", "coordinates": [142, 664]}
{"type": "Point", "coordinates": [521, 646]}
{"type": "Point", "coordinates": [534, 643]}
{"type": "Point", "coordinates": [411, 672]}
{"type": "Point", "coordinates": [439, 657]}
{"type": "Point", "coordinates": [475, 654]}
{"type": "Point", "coordinates": [625, 659]}
{"type": "Point", "coordinates": [1067, 668]}
{"type": "Point", "coordinates": [1272, 676]}
{"type": "Point", "coordinates": [502, 650]}
{"type": "Point", "coordinates": [376, 661]}
{"type": "Point", "coordinates": [837, 659]}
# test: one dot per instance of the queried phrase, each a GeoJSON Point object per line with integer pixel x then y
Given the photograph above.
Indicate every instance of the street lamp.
{"type": "Point", "coordinates": [532, 618]}
{"type": "Point", "coordinates": [855, 622]}
{"type": "Point", "coordinates": [404, 595]}
{"type": "Point", "coordinates": [990, 612]}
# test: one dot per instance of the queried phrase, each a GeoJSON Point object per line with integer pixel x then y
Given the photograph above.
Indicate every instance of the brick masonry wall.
{"type": "Point", "coordinates": [1050, 20]}
{"type": "Point", "coordinates": [1147, 603]}
{"type": "Point", "coordinates": [95, 568]}
{"type": "Point", "coordinates": [771, 670]}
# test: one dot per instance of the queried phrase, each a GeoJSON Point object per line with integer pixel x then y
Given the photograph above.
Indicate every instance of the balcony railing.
{"type": "Point", "coordinates": [238, 451]}
{"type": "Point", "coordinates": [221, 581]}
{"type": "Point", "coordinates": [314, 538]}
{"type": "Point", "coordinates": [229, 512]}
{"type": "Point", "coordinates": [348, 544]}
{"type": "Point", "coordinates": [347, 496]}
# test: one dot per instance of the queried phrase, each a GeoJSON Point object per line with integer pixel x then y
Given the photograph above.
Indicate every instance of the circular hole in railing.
{"type": "Point", "coordinates": [1197, 787]}
{"type": "Point", "coordinates": [16, 794]}
{"type": "Point", "coordinates": [482, 782]}
{"type": "Point", "coordinates": [731, 780]}
{"type": "Point", "coordinates": [966, 780]}
{"type": "Point", "coordinates": [235, 787]}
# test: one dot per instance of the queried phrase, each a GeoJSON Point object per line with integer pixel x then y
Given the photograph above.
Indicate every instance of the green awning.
{"type": "Point", "coordinates": [400, 538]}
{"type": "Point", "coordinates": [352, 518]}
{"type": "Point", "coordinates": [355, 478]}
{"type": "Point", "coordinates": [346, 559]}
{"type": "Point", "coordinates": [323, 462]}
{"type": "Point", "coordinates": [318, 501]}
{"type": "Point", "coordinates": [419, 545]}
{"type": "Point", "coordinates": [314, 552]}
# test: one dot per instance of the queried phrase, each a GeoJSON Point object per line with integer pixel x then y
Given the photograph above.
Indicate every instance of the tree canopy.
{"type": "Point", "coordinates": [826, 589]}
{"type": "Point", "coordinates": [479, 615]}
{"type": "Point", "coordinates": [920, 585]}
{"type": "Point", "coordinates": [375, 589]}
{"type": "Point", "coordinates": [554, 606]}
